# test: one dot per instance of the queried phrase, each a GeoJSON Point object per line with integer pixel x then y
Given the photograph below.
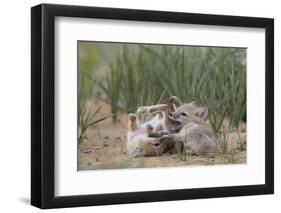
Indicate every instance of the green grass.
{"type": "Point", "coordinates": [181, 152]}
{"type": "Point", "coordinates": [211, 157]}
{"type": "Point", "coordinates": [242, 142]}
{"type": "Point", "coordinates": [222, 139]}
{"type": "Point", "coordinates": [213, 77]}
{"type": "Point", "coordinates": [230, 156]}
{"type": "Point", "coordinates": [150, 74]}
{"type": "Point", "coordinates": [87, 118]}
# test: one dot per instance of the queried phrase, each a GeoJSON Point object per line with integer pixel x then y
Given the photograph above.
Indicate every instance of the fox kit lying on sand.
{"type": "Point", "coordinates": [150, 138]}
{"type": "Point", "coordinates": [186, 124]}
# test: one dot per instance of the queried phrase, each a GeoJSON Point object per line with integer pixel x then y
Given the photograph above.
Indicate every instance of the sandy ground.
{"type": "Point", "coordinates": [104, 147]}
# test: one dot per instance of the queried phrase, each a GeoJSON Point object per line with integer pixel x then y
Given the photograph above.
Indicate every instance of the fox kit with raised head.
{"type": "Point", "coordinates": [191, 128]}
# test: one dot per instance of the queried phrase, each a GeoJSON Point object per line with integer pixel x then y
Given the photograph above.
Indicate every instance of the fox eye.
{"type": "Point", "coordinates": [183, 114]}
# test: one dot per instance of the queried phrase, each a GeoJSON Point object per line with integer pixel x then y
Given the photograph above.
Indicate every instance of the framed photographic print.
{"type": "Point", "coordinates": [139, 106]}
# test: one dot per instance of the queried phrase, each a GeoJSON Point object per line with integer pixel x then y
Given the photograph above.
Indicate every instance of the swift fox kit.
{"type": "Point", "coordinates": [184, 125]}
{"type": "Point", "coordinates": [191, 129]}
{"type": "Point", "coordinates": [150, 138]}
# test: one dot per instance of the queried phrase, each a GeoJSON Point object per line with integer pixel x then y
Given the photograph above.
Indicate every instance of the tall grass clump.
{"type": "Point", "coordinates": [88, 59]}
{"type": "Point", "coordinates": [242, 141]}
{"type": "Point", "coordinates": [213, 77]}
{"type": "Point", "coordinates": [149, 74]}
{"type": "Point", "coordinates": [128, 81]}
{"type": "Point", "coordinates": [110, 85]}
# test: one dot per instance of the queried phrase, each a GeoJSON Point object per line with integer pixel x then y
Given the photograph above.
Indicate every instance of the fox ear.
{"type": "Point", "coordinates": [175, 102]}
{"type": "Point", "coordinates": [202, 112]}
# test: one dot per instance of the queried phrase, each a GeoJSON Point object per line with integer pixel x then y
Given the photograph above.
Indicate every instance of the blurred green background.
{"type": "Point", "coordinates": [131, 75]}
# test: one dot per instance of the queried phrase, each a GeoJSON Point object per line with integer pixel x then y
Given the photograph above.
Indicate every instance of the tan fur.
{"type": "Point", "coordinates": [194, 132]}
{"type": "Point", "coordinates": [197, 137]}
{"type": "Point", "coordinates": [139, 140]}
{"type": "Point", "coordinates": [185, 124]}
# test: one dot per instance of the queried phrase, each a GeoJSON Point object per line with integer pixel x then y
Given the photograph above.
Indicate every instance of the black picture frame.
{"type": "Point", "coordinates": [43, 105]}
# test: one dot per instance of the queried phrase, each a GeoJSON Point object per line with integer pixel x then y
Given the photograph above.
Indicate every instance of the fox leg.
{"type": "Point", "coordinates": [152, 109]}
{"type": "Point", "coordinates": [132, 122]}
{"type": "Point", "coordinates": [175, 102]}
{"type": "Point", "coordinates": [141, 111]}
{"type": "Point", "coordinates": [177, 137]}
{"type": "Point", "coordinates": [162, 110]}
{"type": "Point", "coordinates": [148, 129]}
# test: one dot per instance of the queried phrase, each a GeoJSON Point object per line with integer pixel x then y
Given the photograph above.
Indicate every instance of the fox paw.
{"type": "Point", "coordinates": [142, 109]}
{"type": "Point", "coordinates": [132, 116]}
